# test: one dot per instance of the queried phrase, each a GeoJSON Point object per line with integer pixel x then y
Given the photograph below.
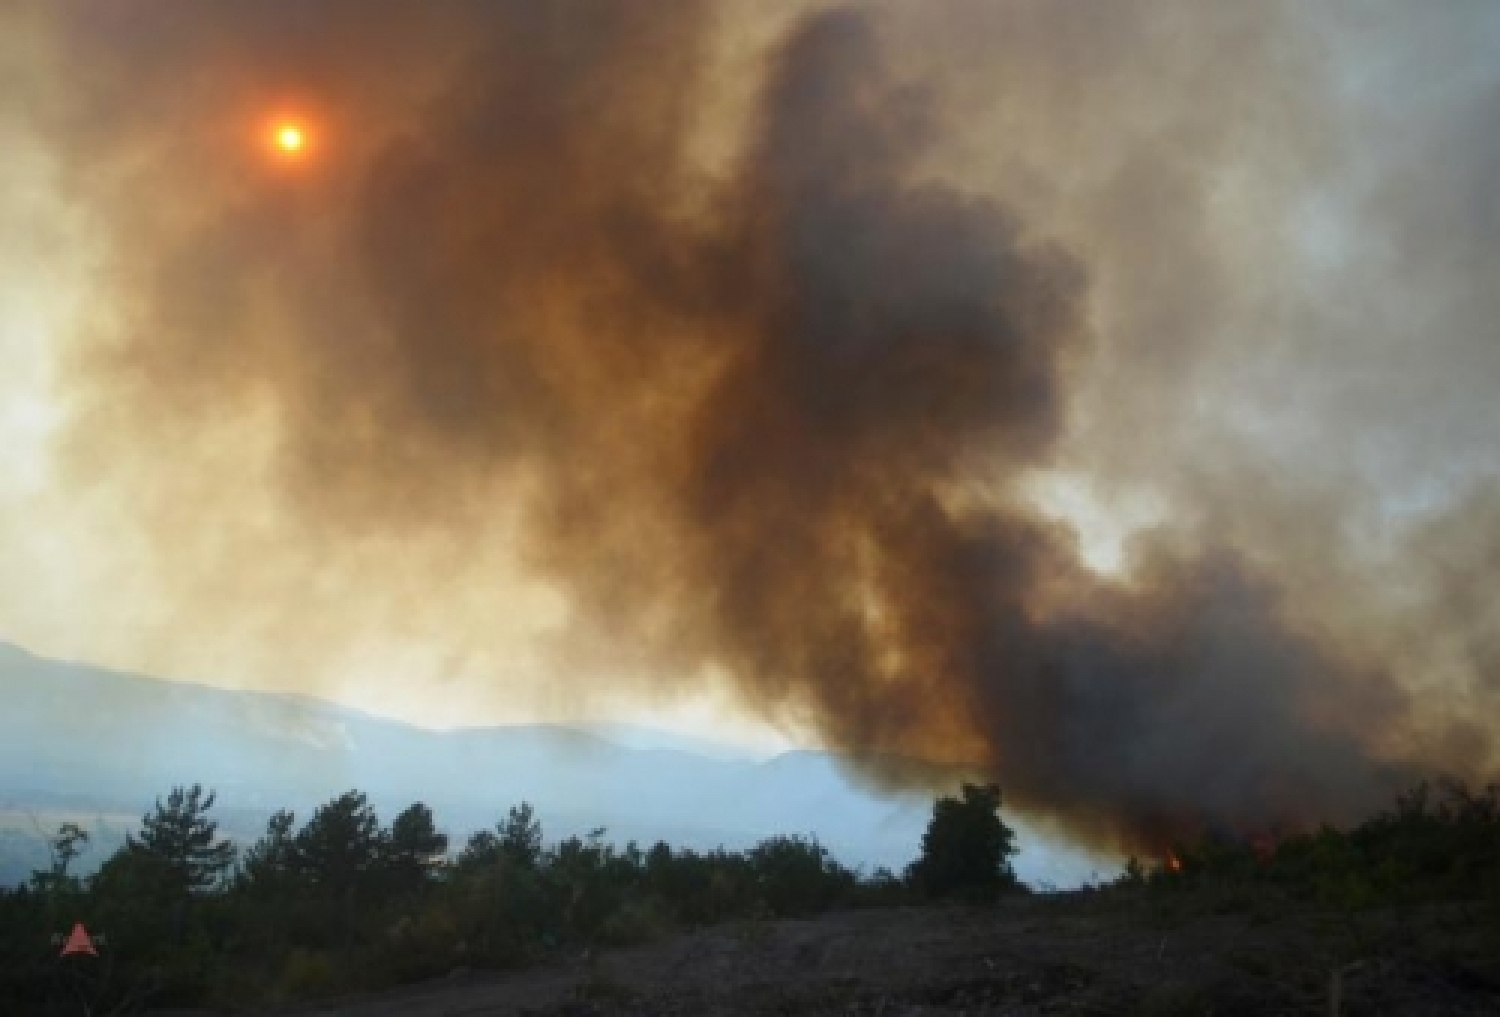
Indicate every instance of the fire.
{"type": "Point", "coordinates": [1174, 863]}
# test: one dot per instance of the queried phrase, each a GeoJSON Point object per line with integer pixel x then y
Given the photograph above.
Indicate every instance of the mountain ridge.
{"type": "Point", "coordinates": [138, 736]}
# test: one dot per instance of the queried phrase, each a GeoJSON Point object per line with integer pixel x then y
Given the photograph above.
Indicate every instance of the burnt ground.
{"type": "Point", "coordinates": [1082, 953]}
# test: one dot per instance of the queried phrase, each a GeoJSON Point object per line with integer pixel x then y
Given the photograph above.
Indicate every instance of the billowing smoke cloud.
{"type": "Point", "coordinates": [755, 354]}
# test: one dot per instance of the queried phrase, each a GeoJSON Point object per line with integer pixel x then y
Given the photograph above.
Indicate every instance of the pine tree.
{"type": "Point", "coordinates": [517, 839]}
{"type": "Point", "coordinates": [342, 845]}
{"type": "Point", "coordinates": [179, 836]}
{"type": "Point", "coordinates": [521, 836]}
{"type": "Point", "coordinates": [64, 846]}
{"type": "Point", "coordinates": [414, 848]}
{"type": "Point", "coordinates": [273, 863]}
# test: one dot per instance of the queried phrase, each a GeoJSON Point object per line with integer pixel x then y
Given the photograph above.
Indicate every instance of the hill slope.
{"type": "Point", "coordinates": [90, 741]}
{"type": "Point", "coordinates": [97, 746]}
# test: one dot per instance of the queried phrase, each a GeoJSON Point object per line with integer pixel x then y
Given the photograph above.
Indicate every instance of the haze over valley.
{"type": "Point", "coordinates": [131, 738]}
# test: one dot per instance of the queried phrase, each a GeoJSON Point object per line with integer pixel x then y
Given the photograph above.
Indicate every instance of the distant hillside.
{"type": "Point", "coordinates": [98, 745]}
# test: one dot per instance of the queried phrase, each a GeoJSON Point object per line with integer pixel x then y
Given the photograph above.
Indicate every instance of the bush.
{"type": "Point", "coordinates": [308, 974]}
{"type": "Point", "coordinates": [793, 876]}
{"type": "Point", "coordinates": [638, 920]}
{"type": "Point", "coordinates": [1430, 848]}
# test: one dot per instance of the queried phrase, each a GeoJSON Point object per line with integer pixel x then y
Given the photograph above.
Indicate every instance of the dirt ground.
{"type": "Point", "coordinates": [1057, 954]}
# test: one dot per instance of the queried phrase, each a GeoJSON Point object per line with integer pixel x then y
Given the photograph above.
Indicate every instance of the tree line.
{"type": "Point", "coordinates": [343, 902]}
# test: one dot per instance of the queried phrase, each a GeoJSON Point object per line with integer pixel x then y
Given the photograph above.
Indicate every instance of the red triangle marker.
{"type": "Point", "coordinates": [79, 942]}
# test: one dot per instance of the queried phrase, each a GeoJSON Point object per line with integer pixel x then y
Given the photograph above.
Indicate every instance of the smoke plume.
{"type": "Point", "coordinates": [752, 339]}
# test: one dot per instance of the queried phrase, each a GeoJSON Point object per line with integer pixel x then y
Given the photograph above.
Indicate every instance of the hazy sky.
{"type": "Point", "coordinates": [1077, 388]}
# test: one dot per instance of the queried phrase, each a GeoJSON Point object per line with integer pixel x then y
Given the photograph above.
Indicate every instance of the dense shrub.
{"type": "Point", "coordinates": [1436, 844]}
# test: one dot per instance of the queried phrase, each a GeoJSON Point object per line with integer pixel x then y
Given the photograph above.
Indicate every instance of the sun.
{"type": "Point", "coordinates": [290, 138]}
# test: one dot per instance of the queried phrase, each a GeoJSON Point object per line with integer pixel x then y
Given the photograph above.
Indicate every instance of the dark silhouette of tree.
{"type": "Point", "coordinates": [341, 846]}
{"type": "Point", "coordinates": [272, 864]}
{"type": "Point", "coordinates": [136, 874]}
{"type": "Point", "coordinates": [414, 848]}
{"type": "Point", "coordinates": [521, 836]}
{"type": "Point", "coordinates": [341, 854]}
{"type": "Point", "coordinates": [179, 834]}
{"type": "Point", "coordinates": [481, 851]}
{"type": "Point", "coordinates": [517, 839]}
{"type": "Point", "coordinates": [967, 847]}
{"type": "Point", "coordinates": [63, 847]}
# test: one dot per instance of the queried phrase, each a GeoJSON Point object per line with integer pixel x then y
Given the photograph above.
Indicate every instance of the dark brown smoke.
{"type": "Point", "coordinates": [758, 395]}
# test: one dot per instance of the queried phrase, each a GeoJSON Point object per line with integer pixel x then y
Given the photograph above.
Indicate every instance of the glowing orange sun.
{"type": "Point", "coordinates": [290, 138]}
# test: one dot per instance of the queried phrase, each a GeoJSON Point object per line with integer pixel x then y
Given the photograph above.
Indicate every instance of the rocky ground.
{"type": "Point", "coordinates": [1085, 953]}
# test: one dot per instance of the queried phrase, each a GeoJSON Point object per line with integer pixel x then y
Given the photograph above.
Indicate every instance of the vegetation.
{"type": "Point", "coordinates": [345, 903]}
{"type": "Point", "coordinates": [967, 848]}
{"type": "Point", "coordinates": [1407, 902]}
{"type": "Point", "coordinates": [1436, 844]}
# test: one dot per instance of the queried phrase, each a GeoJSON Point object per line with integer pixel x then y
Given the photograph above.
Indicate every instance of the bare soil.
{"type": "Point", "coordinates": [1081, 953]}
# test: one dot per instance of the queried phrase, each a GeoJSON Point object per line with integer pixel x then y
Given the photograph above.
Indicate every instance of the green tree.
{"type": "Point", "coordinates": [967, 847]}
{"type": "Point", "coordinates": [341, 846]}
{"type": "Point", "coordinates": [272, 864]}
{"type": "Point", "coordinates": [517, 838]}
{"type": "Point", "coordinates": [63, 847]}
{"type": "Point", "coordinates": [414, 849]}
{"type": "Point", "coordinates": [521, 836]}
{"type": "Point", "coordinates": [131, 873]}
{"type": "Point", "coordinates": [179, 834]}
